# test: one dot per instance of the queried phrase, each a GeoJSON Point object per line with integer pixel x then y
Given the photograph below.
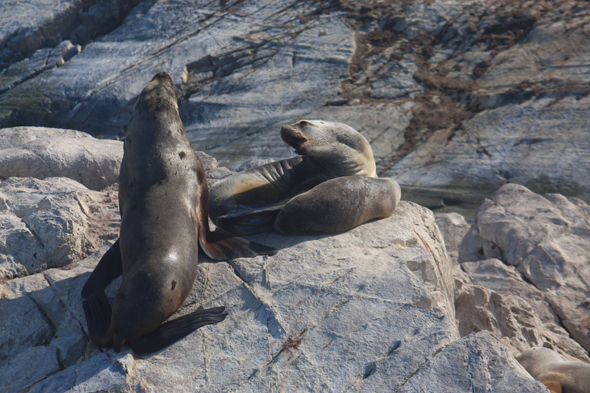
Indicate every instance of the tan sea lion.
{"type": "Point", "coordinates": [252, 201]}
{"type": "Point", "coordinates": [558, 375]}
{"type": "Point", "coordinates": [163, 198]}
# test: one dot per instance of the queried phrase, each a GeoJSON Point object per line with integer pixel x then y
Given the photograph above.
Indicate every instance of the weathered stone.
{"type": "Point", "coordinates": [31, 366]}
{"type": "Point", "coordinates": [510, 319]}
{"type": "Point", "coordinates": [476, 363]}
{"type": "Point", "coordinates": [547, 238]}
{"type": "Point", "coordinates": [23, 326]}
{"type": "Point", "coordinates": [52, 222]}
{"type": "Point", "coordinates": [453, 228]}
{"type": "Point", "coordinates": [48, 152]}
{"type": "Point", "coordinates": [99, 373]}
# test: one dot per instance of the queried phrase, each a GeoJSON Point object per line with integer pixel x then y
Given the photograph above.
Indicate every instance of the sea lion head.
{"type": "Point", "coordinates": [535, 360]}
{"type": "Point", "coordinates": [335, 146]}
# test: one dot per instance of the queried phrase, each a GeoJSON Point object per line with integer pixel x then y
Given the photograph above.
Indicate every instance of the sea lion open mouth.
{"type": "Point", "coordinates": [293, 137]}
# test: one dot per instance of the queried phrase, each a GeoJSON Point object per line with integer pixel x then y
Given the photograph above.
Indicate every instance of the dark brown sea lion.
{"type": "Point", "coordinates": [163, 200]}
{"type": "Point", "coordinates": [335, 160]}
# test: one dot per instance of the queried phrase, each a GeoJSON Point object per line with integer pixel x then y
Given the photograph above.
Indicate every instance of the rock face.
{"type": "Point", "coordinates": [512, 302]}
{"type": "Point", "coordinates": [51, 223]}
{"type": "Point", "coordinates": [546, 238]}
{"type": "Point", "coordinates": [456, 98]}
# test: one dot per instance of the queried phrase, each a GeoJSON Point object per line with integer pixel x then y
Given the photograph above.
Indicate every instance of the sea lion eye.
{"type": "Point", "coordinates": [304, 123]}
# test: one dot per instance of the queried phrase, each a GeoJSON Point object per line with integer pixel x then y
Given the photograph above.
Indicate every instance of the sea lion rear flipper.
{"type": "Point", "coordinates": [221, 248]}
{"type": "Point", "coordinates": [109, 267]}
{"type": "Point", "coordinates": [172, 331]}
{"type": "Point", "coordinates": [98, 317]}
{"type": "Point", "coordinates": [251, 221]}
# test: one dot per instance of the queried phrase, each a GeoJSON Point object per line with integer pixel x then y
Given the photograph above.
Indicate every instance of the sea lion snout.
{"type": "Point", "coordinates": [293, 137]}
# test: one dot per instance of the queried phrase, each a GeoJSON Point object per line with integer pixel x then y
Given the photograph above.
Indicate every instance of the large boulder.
{"type": "Point", "coordinates": [50, 152]}
{"type": "Point", "coordinates": [367, 310]}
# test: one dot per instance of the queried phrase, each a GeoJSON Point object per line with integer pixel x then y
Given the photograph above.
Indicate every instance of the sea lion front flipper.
{"type": "Point", "coordinates": [109, 267]}
{"type": "Point", "coordinates": [98, 317]}
{"type": "Point", "coordinates": [250, 222]}
{"type": "Point", "coordinates": [221, 247]}
{"type": "Point", "coordinates": [172, 331]}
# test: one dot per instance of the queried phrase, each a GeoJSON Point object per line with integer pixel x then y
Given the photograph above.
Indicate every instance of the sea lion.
{"type": "Point", "coordinates": [558, 375]}
{"type": "Point", "coordinates": [253, 201]}
{"type": "Point", "coordinates": [338, 205]}
{"type": "Point", "coordinates": [163, 199]}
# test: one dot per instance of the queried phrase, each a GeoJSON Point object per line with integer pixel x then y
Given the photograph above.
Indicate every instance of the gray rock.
{"type": "Point", "coordinates": [52, 222]}
{"type": "Point", "coordinates": [48, 152]}
{"type": "Point", "coordinates": [510, 319]}
{"type": "Point", "coordinates": [99, 373]}
{"type": "Point", "coordinates": [453, 228]}
{"type": "Point", "coordinates": [545, 237]}
{"type": "Point", "coordinates": [476, 363]}
{"type": "Point", "coordinates": [371, 305]}
{"type": "Point", "coordinates": [31, 366]}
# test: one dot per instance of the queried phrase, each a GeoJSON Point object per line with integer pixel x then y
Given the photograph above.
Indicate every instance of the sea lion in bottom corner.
{"type": "Point", "coordinates": [163, 200]}
{"type": "Point", "coordinates": [335, 160]}
{"type": "Point", "coordinates": [558, 375]}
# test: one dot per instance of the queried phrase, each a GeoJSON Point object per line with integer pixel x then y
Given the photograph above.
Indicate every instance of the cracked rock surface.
{"type": "Point", "coordinates": [457, 98]}
{"type": "Point", "coordinates": [51, 223]}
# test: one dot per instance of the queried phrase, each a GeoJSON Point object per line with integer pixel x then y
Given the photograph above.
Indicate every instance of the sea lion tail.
{"type": "Point", "coordinates": [172, 331]}
{"type": "Point", "coordinates": [220, 247]}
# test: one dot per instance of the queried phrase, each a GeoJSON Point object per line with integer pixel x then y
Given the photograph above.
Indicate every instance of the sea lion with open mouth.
{"type": "Point", "coordinates": [330, 187]}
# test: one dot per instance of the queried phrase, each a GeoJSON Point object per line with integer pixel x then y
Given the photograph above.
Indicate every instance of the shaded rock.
{"type": "Point", "coordinates": [546, 238]}
{"type": "Point", "coordinates": [52, 222]}
{"type": "Point", "coordinates": [48, 152]}
{"type": "Point", "coordinates": [41, 60]}
{"type": "Point", "coordinates": [23, 326]}
{"type": "Point", "coordinates": [31, 366]}
{"type": "Point", "coordinates": [99, 373]}
{"type": "Point", "coordinates": [453, 228]}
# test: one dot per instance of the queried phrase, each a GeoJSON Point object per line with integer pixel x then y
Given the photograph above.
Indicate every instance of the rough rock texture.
{"type": "Point", "coordinates": [368, 310]}
{"type": "Point", "coordinates": [456, 97]}
{"type": "Point", "coordinates": [51, 223]}
{"type": "Point", "coordinates": [542, 298]}
{"type": "Point", "coordinates": [50, 152]}
{"type": "Point", "coordinates": [546, 238]}
{"type": "Point", "coordinates": [453, 228]}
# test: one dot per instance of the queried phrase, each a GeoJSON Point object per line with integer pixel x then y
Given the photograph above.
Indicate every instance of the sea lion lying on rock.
{"type": "Point", "coordinates": [558, 375]}
{"type": "Point", "coordinates": [330, 188]}
{"type": "Point", "coordinates": [163, 199]}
